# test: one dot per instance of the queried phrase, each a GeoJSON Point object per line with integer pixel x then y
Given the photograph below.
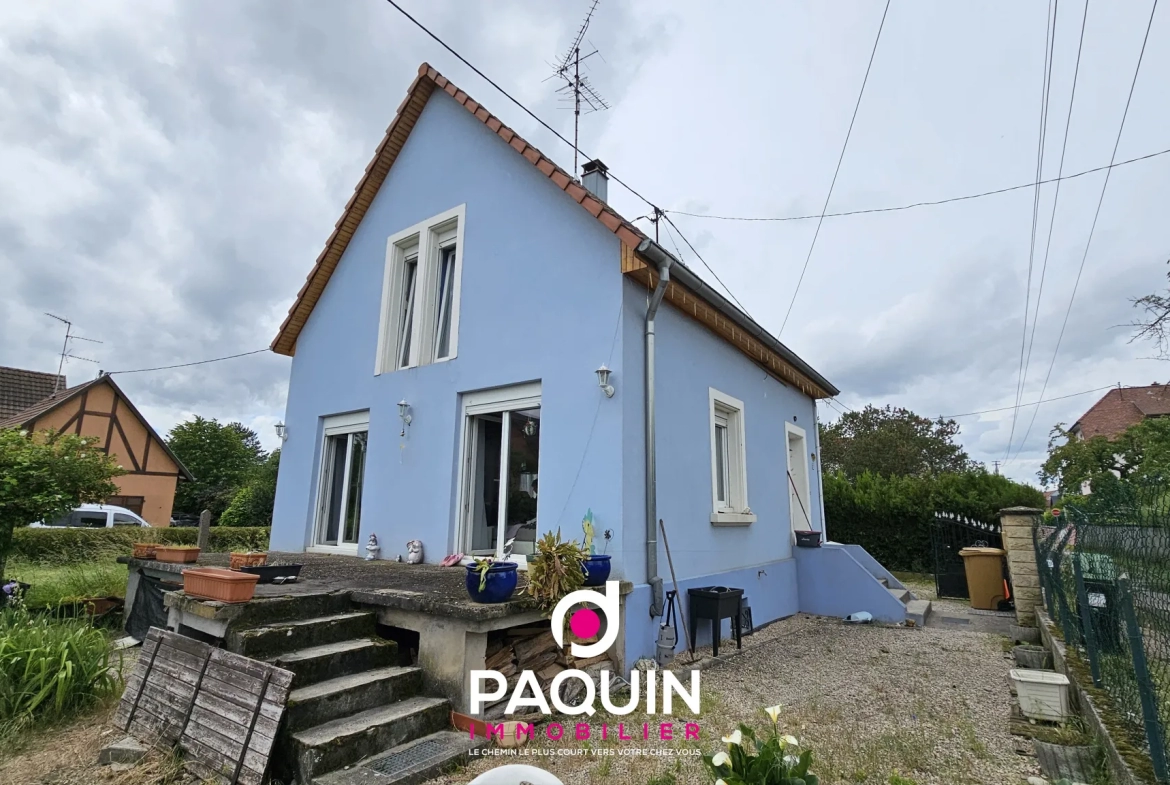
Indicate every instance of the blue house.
{"type": "Point", "coordinates": [485, 350]}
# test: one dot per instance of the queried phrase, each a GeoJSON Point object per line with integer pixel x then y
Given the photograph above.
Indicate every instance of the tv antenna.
{"type": "Point", "coordinates": [69, 336]}
{"type": "Point", "coordinates": [568, 68]}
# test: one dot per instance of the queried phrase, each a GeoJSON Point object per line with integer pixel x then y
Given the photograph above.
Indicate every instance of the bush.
{"type": "Point", "coordinates": [249, 507]}
{"type": "Point", "coordinates": [75, 546]}
{"type": "Point", "coordinates": [49, 668]}
{"type": "Point", "coordinates": [891, 516]}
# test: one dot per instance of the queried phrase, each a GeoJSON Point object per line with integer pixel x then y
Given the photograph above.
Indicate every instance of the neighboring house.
{"type": "Point", "coordinates": [100, 409]}
{"type": "Point", "coordinates": [445, 387]}
{"type": "Point", "coordinates": [1121, 408]}
{"type": "Point", "coordinates": [20, 389]}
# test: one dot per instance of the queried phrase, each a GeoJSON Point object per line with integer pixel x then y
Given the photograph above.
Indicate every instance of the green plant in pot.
{"type": "Point", "coordinates": [554, 570]}
{"type": "Point", "coordinates": [769, 758]}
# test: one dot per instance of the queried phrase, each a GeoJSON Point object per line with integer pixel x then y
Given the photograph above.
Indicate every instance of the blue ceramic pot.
{"type": "Point", "coordinates": [500, 583]}
{"type": "Point", "coordinates": [596, 569]}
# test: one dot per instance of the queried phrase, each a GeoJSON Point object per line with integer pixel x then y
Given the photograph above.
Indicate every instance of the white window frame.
{"type": "Point", "coordinates": [733, 511]}
{"type": "Point", "coordinates": [502, 400]}
{"type": "Point", "coordinates": [796, 518]}
{"type": "Point", "coordinates": [428, 239]}
{"type": "Point", "coordinates": [337, 425]}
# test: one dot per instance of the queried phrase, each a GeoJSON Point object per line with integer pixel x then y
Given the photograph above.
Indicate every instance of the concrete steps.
{"type": "Point", "coordinates": [273, 639]}
{"type": "Point", "coordinates": [318, 663]}
{"type": "Point", "coordinates": [917, 611]}
{"type": "Point", "coordinates": [344, 741]}
{"type": "Point", "coordinates": [901, 595]}
{"type": "Point", "coordinates": [407, 764]}
{"type": "Point", "coordinates": [342, 696]}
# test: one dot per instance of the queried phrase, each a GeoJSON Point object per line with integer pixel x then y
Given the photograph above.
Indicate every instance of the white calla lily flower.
{"type": "Point", "coordinates": [773, 713]}
{"type": "Point", "coordinates": [735, 738]}
{"type": "Point", "coordinates": [720, 759]}
{"type": "Point", "coordinates": [790, 740]}
{"type": "Point", "coordinates": [720, 782]}
{"type": "Point", "coordinates": [791, 760]}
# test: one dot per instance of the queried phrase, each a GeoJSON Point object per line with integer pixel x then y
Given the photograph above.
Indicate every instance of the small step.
{"type": "Point", "coordinates": [407, 764]}
{"type": "Point", "coordinates": [917, 612]}
{"type": "Point", "coordinates": [318, 663]}
{"type": "Point", "coordinates": [262, 611]}
{"type": "Point", "coordinates": [275, 639]}
{"type": "Point", "coordinates": [345, 741]}
{"type": "Point", "coordinates": [901, 595]}
{"type": "Point", "coordinates": [884, 582]}
{"type": "Point", "coordinates": [345, 695]}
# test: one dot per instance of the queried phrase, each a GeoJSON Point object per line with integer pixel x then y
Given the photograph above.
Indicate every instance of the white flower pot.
{"type": "Point", "coordinates": [1043, 694]}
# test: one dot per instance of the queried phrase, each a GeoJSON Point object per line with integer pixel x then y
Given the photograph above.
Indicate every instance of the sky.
{"type": "Point", "coordinates": [173, 169]}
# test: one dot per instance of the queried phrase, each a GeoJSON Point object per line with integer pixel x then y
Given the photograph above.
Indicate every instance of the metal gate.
{"type": "Point", "coordinates": [949, 534]}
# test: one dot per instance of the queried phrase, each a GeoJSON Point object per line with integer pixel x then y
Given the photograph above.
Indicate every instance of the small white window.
{"type": "Point", "coordinates": [728, 462]}
{"type": "Point", "coordinates": [420, 293]}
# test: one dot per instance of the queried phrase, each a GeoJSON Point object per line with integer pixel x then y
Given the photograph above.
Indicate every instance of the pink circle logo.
{"type": "Point", "coordinates": [585, 623]}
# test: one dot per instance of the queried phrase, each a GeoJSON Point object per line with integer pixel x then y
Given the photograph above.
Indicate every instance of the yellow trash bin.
{"type": "Point", "coordinates": [984, 568]}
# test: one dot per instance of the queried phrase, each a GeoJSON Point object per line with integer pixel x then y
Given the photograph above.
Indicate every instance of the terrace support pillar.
{"type": "Point", "coordinates": [1017, 523]}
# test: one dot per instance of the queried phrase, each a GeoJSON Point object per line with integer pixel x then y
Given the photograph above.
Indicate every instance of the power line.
{"type": "Point", "coordinates": [1055, 201]}
{"type": "Point", "coordinates": [836, 171]}
{"type": "Point", "coordinates": [1045, 91]}
{"type": "Point", "coordinates": [187, 365]}
{"type": "Point", "coordinates": [704, 261]}
{"type": "Point", "coordinates": [1097, 214]}
{"type": "Point", "coordinates": [508, 95]}
{"type": "Point", "coordinates": [930, 203]}
{"type": "Point", "coordinates": [1033, 403]}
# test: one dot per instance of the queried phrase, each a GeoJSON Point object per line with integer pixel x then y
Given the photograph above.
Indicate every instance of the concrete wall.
{"type": "Point", "coordinates": [540, 300]}
{"type": "Point", "coordinates": [833, 583]}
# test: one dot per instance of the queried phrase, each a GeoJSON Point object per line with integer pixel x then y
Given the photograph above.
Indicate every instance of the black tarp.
{"type": "Point", "coordinates": [148, 610]}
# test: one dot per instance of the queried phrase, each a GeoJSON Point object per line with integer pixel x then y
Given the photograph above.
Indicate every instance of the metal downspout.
{"type": "Point", "coordinates": [663, 261]}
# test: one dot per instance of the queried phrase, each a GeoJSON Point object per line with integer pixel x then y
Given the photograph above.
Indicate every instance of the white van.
{"type": "Point", "coordinates": [94, 516]}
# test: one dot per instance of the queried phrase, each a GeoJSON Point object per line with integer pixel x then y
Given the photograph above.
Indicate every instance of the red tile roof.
{"type": "Point", "coordinates": [1119, 409]}
{"type": "Point", "coordinates": [420, 90]}
{"type": "Point", "coordinates": [20, 389]}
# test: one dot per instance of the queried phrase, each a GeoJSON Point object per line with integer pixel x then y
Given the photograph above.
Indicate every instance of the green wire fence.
{"type": "Point", "coordinates": [1104, 567]}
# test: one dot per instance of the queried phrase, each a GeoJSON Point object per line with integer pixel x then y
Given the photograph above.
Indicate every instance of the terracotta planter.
{"type": "Point", "coordinates": [176, 554]}
{"type": "Point", "coordinates": [216, 583]}
{"type": "Point", "coordinates": [144, 550]}
{"type": "Point", "coordinates": [249, 559]}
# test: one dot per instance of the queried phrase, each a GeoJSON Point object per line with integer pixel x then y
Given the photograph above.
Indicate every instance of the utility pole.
{"type": "Point", "coordinates": [996, 464]}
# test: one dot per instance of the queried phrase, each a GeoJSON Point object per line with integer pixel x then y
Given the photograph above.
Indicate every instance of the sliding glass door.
{"type": "Point", "coordinates": [500, 470]}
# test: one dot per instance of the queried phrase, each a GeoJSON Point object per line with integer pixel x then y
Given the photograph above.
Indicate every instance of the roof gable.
{"type": "Point", "coordinates": [693, 297]}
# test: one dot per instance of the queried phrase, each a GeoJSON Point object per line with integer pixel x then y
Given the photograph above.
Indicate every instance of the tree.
{"type": "Point", "coordinates": [1154, 324]}
{"type": "Point", "coordinates": [44, 475]}
{"type": "Point", "coordinates": [252, 504]}
{"type": "Point", "coordinates": [892, 442]}
{"type": "Point", "coordinates": [1140, 452]}
{"type": "Point", "coordinates": [222, 458]}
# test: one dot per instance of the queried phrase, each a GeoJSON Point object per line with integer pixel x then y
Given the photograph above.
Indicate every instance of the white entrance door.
{"type": "Point", "coordinates": [339, 493]}
{"type": "Point", "coordinates": [797, 479]}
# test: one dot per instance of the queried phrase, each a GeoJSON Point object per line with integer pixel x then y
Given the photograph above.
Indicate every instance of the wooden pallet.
{"type": "Point", "coordinates": [220, 708]}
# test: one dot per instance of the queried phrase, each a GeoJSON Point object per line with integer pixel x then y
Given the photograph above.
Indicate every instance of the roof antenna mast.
{"type": "Point", "coordinates": [568, 68]}
{"type": "Point", "coordinates": [69, 336]}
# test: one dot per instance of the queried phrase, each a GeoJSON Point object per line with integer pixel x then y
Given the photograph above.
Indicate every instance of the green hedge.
{"type": "Point", "coordinates": [75, 546]}
{"type": "Point", "coordinates": [891, 516]}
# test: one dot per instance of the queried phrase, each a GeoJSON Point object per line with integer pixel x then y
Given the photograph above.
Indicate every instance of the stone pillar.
{"type": "Point", "coordinates": [204, 529]}
{"type": "Point", "coordinates": [1017, 523]}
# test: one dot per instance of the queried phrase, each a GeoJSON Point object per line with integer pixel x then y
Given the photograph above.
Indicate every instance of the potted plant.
{"type": "Point", "coordinates": [248, 559]}
{"type": "Point", "coordinates": [145, 550]}
{"type": "Point", "coordinates": [554, 570]}
{"type": "Point", "coordinates": [177, 554]}
{"type": "Point", "coordinates": [595, 565]}
{"type": "Point", "coordinates": [1065, 752]}
{"type": "Point", "coordinates": [491, 581]}
{"type": "Point", "coordinates": [753, 759]}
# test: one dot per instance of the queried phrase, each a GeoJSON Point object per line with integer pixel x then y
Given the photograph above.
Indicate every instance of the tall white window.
{"type": "Point", "coordinates": [337, 522]}
{"type": "Point", "coordinates": [729, 505]}
{"type": "Point", "coordinates": [420, 293]}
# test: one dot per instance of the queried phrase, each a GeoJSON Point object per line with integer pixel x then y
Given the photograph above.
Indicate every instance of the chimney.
{"type": "Point", "coordinates": [595, 179]}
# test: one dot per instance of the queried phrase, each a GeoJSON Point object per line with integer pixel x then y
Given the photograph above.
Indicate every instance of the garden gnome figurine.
{"type": "Point", "coordinates": [372, 548]}
{"type": "Point", "coordinates": [414, 552]}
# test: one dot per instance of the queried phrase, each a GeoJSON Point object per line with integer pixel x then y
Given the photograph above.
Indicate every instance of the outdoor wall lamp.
{"type": "Point", "coordinates": [404, 415]}
{"type": "Point", "coordinates": [603, 381]}
{"type": "Point", "coordinates": [281, 431]}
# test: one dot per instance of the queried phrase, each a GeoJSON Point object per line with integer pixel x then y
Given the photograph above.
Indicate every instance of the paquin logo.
{"type": "Point", "coordinates": [657, 689]}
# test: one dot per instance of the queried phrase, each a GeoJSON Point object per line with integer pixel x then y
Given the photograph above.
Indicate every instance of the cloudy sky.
{"type": "Point", "coordinates": [172, 169]}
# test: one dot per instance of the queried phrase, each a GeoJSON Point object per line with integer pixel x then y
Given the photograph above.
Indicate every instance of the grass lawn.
{"type": "Point", "coordinates": [52, 585]}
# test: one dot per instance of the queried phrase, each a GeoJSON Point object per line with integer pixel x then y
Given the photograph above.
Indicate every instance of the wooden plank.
{"type": "Point", "coordinates": [180, 658]}
{"type": "Point", "coordinates": [246, 665]}
{"type": "Point", "coordinates": [266, 723]}
{"type": "Point", "coordinates": [226, 747]}
{"type": "Point", "coordinates": [205, 773]}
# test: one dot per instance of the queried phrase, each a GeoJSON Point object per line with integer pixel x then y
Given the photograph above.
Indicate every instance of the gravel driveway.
{"type": "Point", "coordinates": [928, 704]}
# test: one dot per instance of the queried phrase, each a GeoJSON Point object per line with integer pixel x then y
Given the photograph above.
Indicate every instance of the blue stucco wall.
{"type": "Point", "coordinates": [758, 558]}
{"type": "Point", "coordinates": [541, 300]}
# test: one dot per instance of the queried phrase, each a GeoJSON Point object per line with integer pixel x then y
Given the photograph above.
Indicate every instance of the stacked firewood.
{"type": "Point", "coordinates": [532, 648]}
